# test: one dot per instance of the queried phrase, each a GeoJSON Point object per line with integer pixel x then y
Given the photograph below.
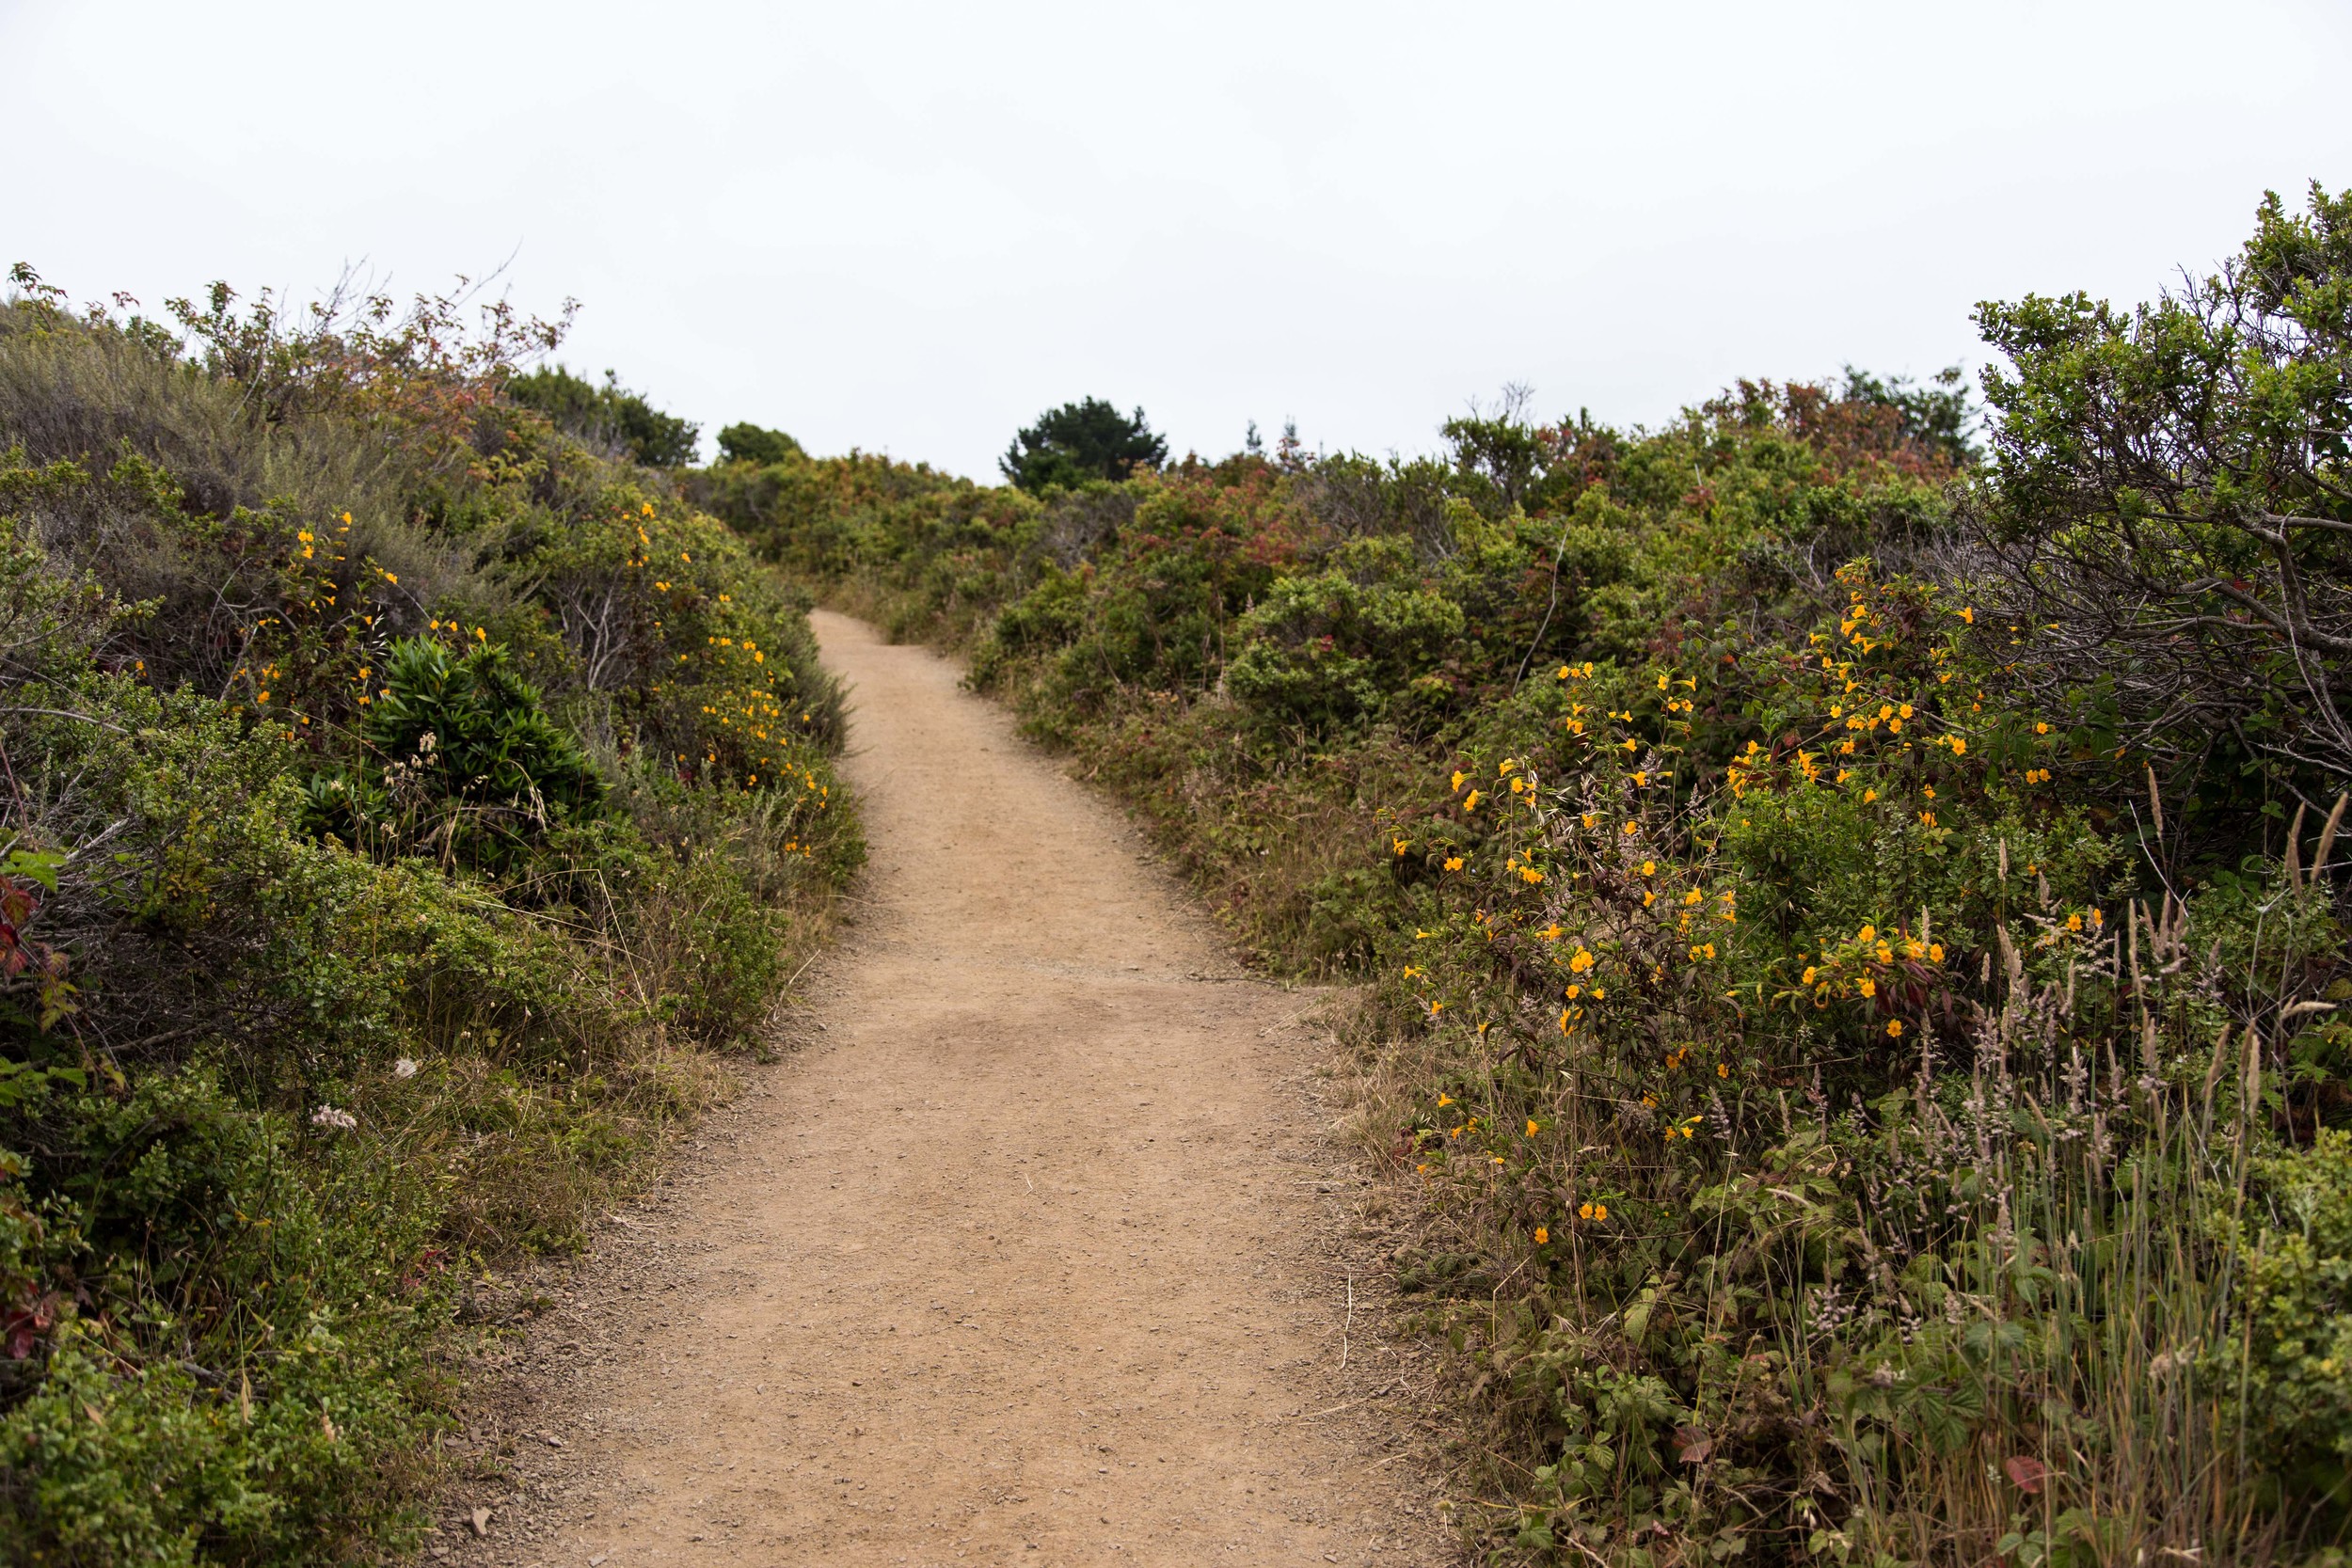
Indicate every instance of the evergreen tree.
{"type": "Point", "coordinates": [750, 443]}
{"type": "Point", "coordinates": [1080, 442]}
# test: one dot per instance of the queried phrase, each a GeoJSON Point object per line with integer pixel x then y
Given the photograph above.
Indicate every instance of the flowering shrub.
{"type": "Point", "coordinates": [1875, 1096]}
{"type": "Point", "coordinates": [402, 806]}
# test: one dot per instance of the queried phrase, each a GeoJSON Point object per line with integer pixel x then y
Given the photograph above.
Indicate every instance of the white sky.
{"type": "Point", "coordinates": [910, 226]}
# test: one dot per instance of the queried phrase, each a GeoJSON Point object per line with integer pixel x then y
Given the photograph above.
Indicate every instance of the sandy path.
{"type": "Point", "coordinates": [1015, 1263]}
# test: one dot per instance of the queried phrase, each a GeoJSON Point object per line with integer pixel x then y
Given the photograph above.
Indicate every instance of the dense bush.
{"type": "Point", "coordinates": [2172, 507]}
{"type": "Point", "coordinates": [1329, 650]}
{"type": "Point", "coordinates": [1080, 442]}
{"type": "Point", "coordinates": [403, 804]}
{"type": "Point", "coordinates": [607, 416]}
{"type": "Point", "coordinates": [750, 443]}
{"type": "Point", "coordinates": [1861, 1012]}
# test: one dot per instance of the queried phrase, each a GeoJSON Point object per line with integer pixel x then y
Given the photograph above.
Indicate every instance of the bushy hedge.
{"type": "Point", "coordinates": [1877, 1092]}
{"type": "Point", "coordinates": [403, 808]}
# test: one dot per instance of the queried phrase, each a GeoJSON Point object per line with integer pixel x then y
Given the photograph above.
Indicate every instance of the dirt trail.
{"type": "Point", "coordinates": [1015, 1263]}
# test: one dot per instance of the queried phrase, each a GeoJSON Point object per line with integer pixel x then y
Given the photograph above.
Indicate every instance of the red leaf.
{"type": "Point", "coordinates": [2027, 1471]}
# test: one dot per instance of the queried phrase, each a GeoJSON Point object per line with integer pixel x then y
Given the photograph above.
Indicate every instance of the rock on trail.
{"type": "Point", "coordinates": [1020, 1260]}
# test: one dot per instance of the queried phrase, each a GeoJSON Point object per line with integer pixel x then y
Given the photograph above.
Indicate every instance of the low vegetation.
{"type": "Point", "coordinates": [1848, 894]}
{"type": "Point", "coordinates": [410, 800]}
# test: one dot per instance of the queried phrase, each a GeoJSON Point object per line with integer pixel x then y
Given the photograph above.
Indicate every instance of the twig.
{"type": "Point", "coordinates": [1318, 1415]}
{"type": "Point", "coordinates": [64, 713]}
{"type": "Point", "coordinates": [802, 970]}
{"type": "Point", "coordinates": [1553, 604]}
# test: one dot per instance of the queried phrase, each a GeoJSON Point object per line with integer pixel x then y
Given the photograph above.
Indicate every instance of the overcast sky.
{"type": "Point", "coordinates": [910, 226]}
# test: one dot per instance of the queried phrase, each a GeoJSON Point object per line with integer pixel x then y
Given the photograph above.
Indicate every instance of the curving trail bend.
{"type": "Point", "coordinates": [1016, 1261]}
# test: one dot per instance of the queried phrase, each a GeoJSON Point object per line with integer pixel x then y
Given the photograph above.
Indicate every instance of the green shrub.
{"type": "Point", "coordinates": [2297, 1340]}
{"type": "Point", "coordinates": [1875, 1092]}
{"type": "Point", "coordinates": [271, 1098]}
{"type": "Point", "coordinates": [239, 1379]}
{"type": "Point", "coordinates": [750, 443]}
{"type": "Point", "coordinates": [606, 416]}
{"type": "Point", "coordinates": [471, 758]}
{"type": "Point", "coordinates": [1329, 650]}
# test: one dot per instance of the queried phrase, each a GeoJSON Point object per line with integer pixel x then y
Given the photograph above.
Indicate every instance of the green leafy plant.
{"type": "Point", "coordinates": [273, 1103]}
{"type": "Point", "coordinates": [606, 415]}
{"type": "Point", "coordinates": [1081, 441]}
{"type": "Point", "coordinates": [464, 732]}
{"type": "Point", "coordinates": [1853, 1010]}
